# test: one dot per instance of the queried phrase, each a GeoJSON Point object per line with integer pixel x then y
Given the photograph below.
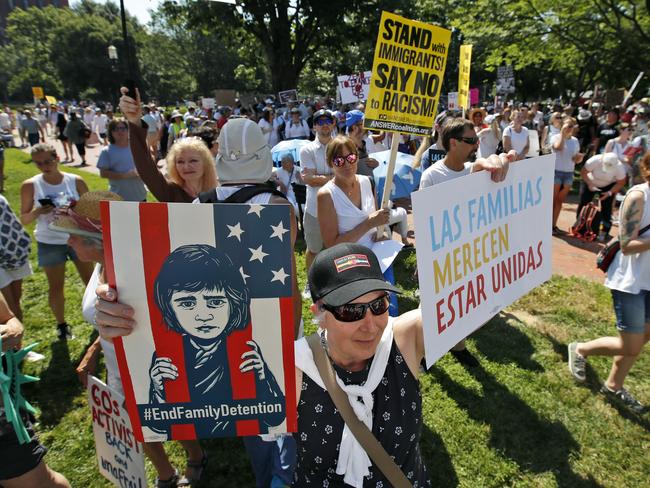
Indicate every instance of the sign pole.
{"type": "Point", "coordinates": [636, 82]}
{"type": "Point", "coordinates": [388, 184]}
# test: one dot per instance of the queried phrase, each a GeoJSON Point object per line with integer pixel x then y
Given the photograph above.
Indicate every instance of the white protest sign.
{"type": "Point", "coordinates": [452, 101]}
{"type": "Point", "coordinates": [480, 246]}
{"type": "Point", "coordinates": [354, 88]}
{"type": "Point", "coordinates": [208, 103]}
{"type": "Point", "coordinates": [119, 455]}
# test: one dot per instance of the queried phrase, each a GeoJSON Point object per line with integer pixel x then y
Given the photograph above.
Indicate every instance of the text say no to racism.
{"type": "Point", "coordinates": [411, 89]}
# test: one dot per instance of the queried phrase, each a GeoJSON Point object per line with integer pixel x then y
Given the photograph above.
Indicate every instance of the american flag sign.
{"type": "Point", "coordinates": [211, 354]}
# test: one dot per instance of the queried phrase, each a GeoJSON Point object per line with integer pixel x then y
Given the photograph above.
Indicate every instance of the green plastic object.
{"type": "Point", "coordinates": [11, 381]}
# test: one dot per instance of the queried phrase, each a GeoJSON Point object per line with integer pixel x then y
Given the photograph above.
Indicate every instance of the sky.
{"type": "Point", "coordinates": [137, 8]}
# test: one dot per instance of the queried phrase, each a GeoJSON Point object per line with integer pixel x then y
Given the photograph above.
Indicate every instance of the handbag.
{"type": "Point", "coordinates": [608, 253]}
{"type": "Point", "coordinates": [368, 441]}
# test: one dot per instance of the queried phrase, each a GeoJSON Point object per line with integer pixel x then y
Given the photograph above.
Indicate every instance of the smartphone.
{"type": "Point", "coordinates": [46, 201]}
{"type": "Point", "coordinates": [130, 84]}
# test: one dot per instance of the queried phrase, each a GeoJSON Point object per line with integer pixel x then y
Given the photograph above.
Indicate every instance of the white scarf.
{"type": "Point", "coordinates": [353, 461]}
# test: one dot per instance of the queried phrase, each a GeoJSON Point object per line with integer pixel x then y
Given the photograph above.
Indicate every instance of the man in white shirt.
{"type": "Point", "coordinates": [315, 173]}
{"type": "Point", "coordinates": [460, 141]}
{"type": "Point", "coordinates": [100, 123]}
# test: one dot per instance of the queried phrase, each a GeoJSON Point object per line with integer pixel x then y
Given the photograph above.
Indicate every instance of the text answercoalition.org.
{"type": "Point", "coordinates": [178, 412]}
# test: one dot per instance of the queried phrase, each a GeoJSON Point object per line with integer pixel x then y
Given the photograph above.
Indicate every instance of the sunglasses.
{"type": "Point", "coordinates": [353, 312]}
{"type": "Point", "coordinates": [323, 121]}
{"type": "Point", "coordinates": [44, 163]}
{"type": "Point", "coordinates": [468, 140]}
{"type": "Point", "coordinates": [339, 161]}
{"type": "Point", "coordinates": [121, 128]}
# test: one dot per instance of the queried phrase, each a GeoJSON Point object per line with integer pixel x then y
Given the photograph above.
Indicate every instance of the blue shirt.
{"type": "Point", "coordinates": [120, 160]}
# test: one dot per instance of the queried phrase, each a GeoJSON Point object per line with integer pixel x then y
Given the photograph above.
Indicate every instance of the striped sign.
{"type": "Point", "coordinates": [212, 352]}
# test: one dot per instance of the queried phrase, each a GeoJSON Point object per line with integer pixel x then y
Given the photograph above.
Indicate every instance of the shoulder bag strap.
{"type": "Point", "coordinates": [368, 441]}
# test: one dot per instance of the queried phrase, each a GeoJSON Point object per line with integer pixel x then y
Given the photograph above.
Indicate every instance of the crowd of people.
{"type": "Point", "coordinates": [376, 352]}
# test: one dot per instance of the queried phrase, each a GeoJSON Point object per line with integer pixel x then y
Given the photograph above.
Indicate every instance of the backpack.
{"type": "Point", "coordinates": [240, 196]}
{"type": "Point", "coordinates": [583, 228]}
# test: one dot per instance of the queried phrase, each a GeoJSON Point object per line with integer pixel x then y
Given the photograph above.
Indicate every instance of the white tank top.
{"type": "Point", "coordinates": [347, 213]}
{"type": "Point", "coordinates": [61, 194]}
{"type": "Point", "coordinates": [631, 273]}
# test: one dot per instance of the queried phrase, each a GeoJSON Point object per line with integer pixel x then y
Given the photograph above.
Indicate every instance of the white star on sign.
{"type": "Point", "coordinates": [408, 177]}
{"type": "Point", "coordinates": [235, 231]}
{"type": "Point", "coordinates": [279, 275]}
{"type": "Point", "coordinates": [278, 231]}
{"type": "Point", "coordinates": [257, 254]}
{"type": "Point", "coordinates": [256, 209]}
{"type": "Point", "coordinates": [243, 274]}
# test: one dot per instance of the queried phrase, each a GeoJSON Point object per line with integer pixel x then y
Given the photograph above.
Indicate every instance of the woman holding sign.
{"type": "Point", "coordinates": [628, 277]}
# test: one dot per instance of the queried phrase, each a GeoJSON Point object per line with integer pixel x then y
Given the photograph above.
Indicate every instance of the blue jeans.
{"type": "Point", "coordinates": [273, 462]}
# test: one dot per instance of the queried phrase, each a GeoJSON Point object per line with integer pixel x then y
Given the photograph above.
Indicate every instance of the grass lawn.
{"type": "Point", "coordinates": [517, 420]}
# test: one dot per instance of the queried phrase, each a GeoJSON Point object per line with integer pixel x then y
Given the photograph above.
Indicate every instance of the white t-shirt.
{"type": "Point", "coordinates": [152, 123]}
{"type": "Point", "coordinates": [312, 156]}
{"type": "Point", "coordinates": [439, 173]}
{"type": "Point", "coordinates": [488, 144]}
{"type": "Point", "coordinates": [601, 178]}
{"type": "Point", "coordinates": [5, 121]}
{"type": "Point", "coordinates": [295, 131]}
{"type": "Point", "coordinates": [564, 158]}
{"type": "Point", "coordinates": [101, 121]}
{"type": "Point", "coordinates": [518, 140]}
{"type": "Point", "coordinates": [267, 130]}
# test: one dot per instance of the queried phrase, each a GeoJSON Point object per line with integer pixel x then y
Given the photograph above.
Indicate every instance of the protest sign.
{"type": "Point", "coordinates": [288, 96]}
{"type": "Point", "coordinates": [119, 456]}
{"type": "Point", "coordinates": [463, 75]}
{"type": "Point", "coordinates": [225, 97]}
{"type": "Point", "coordinates": [51, 100]}
{"type": "Point", "coordinates": [407, 73]}
{"type": "Point", "coordinates": [481, 245]}
{"type": "Point", "coordinates": [505, 80]}
{"type": "Point", "coordinates": [212, 354]}
{"type": "Point", "coordinates": [452, 101]}
{"type": "Point", "coordinates": [38, 93]}
{"type": "Point", "coordinates": [208, 103]}
{"type": "Point", "coordinates": [473, 96]}
{"type": "Point", "coordinates": [354, 88]}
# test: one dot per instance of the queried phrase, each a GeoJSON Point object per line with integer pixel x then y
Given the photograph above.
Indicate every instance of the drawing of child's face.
{"type": "Point", "coordinates": [203, 314]}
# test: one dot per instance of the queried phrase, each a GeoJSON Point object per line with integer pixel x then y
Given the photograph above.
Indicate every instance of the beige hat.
{"type": "Point", "coordinates": [244, 156]}
{"type": "Point", "coordinates": [84, 216]}
{"type": "Point", "coordinates": [609, 161]}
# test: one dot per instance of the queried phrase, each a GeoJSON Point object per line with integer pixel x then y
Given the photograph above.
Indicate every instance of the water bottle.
{"type": "Point", "coordinates": [601, 233]}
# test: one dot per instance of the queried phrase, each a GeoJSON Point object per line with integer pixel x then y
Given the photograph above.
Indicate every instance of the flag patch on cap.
{"type": "Point", "coordinates": [351, 261]}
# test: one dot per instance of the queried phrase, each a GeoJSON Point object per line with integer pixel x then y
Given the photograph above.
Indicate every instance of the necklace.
{"type": "Point", "coordinates": [346, 191]}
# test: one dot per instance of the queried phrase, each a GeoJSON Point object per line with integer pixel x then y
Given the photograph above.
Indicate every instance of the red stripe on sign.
{"type": "Point", "coordinates": [288, 362]}
{"type": "Point", "coordinates": [242, 384]}
{"type": "Point", "coordinates": [154, 233]}
{"type": "Point", "coordinates": [109, 269]}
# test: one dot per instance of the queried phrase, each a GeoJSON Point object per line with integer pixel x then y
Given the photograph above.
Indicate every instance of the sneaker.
{"type": "Point", "coordinates": [577, 363]}
{"type": "Point", "coordinates": [306, 293]}
{"type": "Point", "coordinates": [34, 357]}
{"type": "Point", "coordinates": [625, 397]}
{"type": "Point", "coordinates": [64, 332]}
{"type": "Point", "coordinates": [465, 358]}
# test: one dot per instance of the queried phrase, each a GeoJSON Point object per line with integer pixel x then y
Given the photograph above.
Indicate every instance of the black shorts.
{"type": "Point", "coordinates": [18, 459]}
{"type": "Point", "coordinates": [61, 137]}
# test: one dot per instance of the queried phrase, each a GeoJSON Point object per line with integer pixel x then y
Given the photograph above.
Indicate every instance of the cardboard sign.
{"type": "Point", "coordinates": [208, 103]}
{"type": "Point", "coordinates": [288, 96]}
{"type": "Point", "coordinates": [354, 88]}
{"type": "Point", "coordinates": [407, 74]}
{"type": "Point", "coordinates": [212, 354]}
{"type": "Point", "coordinates": [37, 91]}
{"type": "Point", "coordinates": [119, 456]}
{"type": "Point", "coordinates": [452, 101]}
{"type": "Point", "coordinates": [473, 96]}
{"type": "Point", "coordinates": [225, 97]}
{"type": "Point", "coordinates": [463, 75]}
{"type": "Point", "coordinates": [481, 245]}
{"type": "Point", "coordinates": [505, 80]}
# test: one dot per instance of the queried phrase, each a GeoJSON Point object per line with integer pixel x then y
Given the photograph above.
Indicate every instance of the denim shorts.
{"type": "Point", "coordinates": [632, 311]}
{"type": "Point", "coordinates": [54, 254]}
{"type": "Point", "coordinates": [563, 178]}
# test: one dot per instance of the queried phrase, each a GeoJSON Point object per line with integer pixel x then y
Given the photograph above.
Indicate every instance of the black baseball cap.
{"type": "Point", "coordinates": [345, 272]}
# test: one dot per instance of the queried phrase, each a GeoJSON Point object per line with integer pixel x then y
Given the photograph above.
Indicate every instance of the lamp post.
{"type": "Point", "coordinates": [112, 56]}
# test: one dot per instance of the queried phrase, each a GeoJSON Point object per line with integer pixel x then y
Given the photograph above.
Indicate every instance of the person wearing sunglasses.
{"type": "Point", "coordinates": [356, 132]}
{"type": "Point", "coordinates": [459, 139]}
{"type": "Point", "coordinates": [116, 164]}
{"type": "Point", "coordinates": [376, 359]}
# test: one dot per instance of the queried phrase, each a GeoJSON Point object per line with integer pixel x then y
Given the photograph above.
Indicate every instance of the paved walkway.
{"type": "Point", "coordinates": [571, 256]}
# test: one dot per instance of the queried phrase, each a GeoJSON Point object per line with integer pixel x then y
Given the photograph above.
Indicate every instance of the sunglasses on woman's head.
{"type": "Point", "coordinates": [353, 312]}
{"type": "Point", "coordinates": [340, 160]}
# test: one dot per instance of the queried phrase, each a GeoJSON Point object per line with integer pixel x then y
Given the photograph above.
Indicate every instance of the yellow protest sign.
{"type": "Point", "coordinates": [50, 99]}
{"type": "Point", "coordinates": [407, 73]}
{"type": "Point", "coordinates": [463, 75]}
{"type": "Point", "coordinates": [37, 91]}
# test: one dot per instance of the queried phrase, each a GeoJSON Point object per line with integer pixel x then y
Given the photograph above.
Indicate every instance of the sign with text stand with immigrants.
{"type": "Point", "coordinates": [407, 73]}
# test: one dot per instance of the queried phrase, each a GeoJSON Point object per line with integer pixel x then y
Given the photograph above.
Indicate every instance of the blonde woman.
{"type": "Point", "coordinates": [190, 165]}
{"type": "Point", "coordinates": [553, 128]}
{"type": "Point", "coordinates": [489, 137]}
